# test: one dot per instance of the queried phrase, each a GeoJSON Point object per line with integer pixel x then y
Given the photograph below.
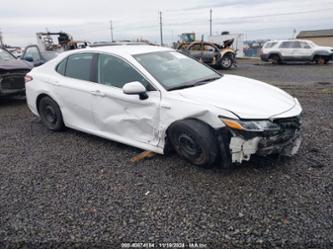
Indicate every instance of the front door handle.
{"type": "Point", "coordinates": [97, 93]}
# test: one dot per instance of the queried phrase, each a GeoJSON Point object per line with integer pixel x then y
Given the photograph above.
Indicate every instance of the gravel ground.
{"type": "Point", "coordinates": [71, 189]}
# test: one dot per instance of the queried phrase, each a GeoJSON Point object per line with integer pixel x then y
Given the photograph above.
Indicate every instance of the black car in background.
{"type": "Point", "coordinates": [12, 72]}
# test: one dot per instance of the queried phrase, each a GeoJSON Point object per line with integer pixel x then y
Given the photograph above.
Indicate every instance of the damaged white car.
{"type": "Point", "coordinates": [155, 98]}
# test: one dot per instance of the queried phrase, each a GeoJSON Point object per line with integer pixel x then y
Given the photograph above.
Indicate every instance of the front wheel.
{"type": "Point", "coordinates": [321, 60]}
{"type": "Point", "coordinates": [276, 59]}
{"type": "Point", "coordinates": [194, 141]}
{"type": "Point", "coordinates": [50, 114]}
{"type": "Point", "coordinates": [226, 61]}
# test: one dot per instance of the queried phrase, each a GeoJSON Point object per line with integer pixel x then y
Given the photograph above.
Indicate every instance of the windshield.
{"type": "Point", "coordinates": [175, 70]}
{"type": "Point", "coordinates": [5, 56]}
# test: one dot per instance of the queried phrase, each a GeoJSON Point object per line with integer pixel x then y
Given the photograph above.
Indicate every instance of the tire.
{"type": "Point", "coordinates": [321, 60]}
{"type": "Point", "coordinates": [194, 141]}
{"type": "Point", "coordinates": [226, 61]}
{"type": "Point", "coordinates": [275, 59]}
{"type": "Point", "coordinates": [50, 114]}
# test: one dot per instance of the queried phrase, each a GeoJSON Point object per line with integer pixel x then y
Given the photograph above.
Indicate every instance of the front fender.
{"type": "Point", "coordinates": [227, 50]}
{"type": "Point", "coordinates": [322, 53]}
{"type": "Point", "coordinates": [175, 109]}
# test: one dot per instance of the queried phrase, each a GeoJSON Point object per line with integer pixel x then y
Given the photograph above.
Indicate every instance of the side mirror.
{"type": "Point", "coordinates": [134, 88]}
{"type": "Point", "coordinates": [28, 58]}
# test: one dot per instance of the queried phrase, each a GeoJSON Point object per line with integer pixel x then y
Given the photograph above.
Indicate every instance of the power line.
{"type": "Point", "coordinates": [1, 41]}
{"type": "Point", "coordinates": [244, 18]}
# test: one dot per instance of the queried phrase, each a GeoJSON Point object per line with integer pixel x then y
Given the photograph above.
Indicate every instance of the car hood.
{"type": "Point", "coordinates": [15, 64]}
{"type": "Point", "coordinates": [247, 98]}
{"type": "Point", "coordinates": [325, 48]}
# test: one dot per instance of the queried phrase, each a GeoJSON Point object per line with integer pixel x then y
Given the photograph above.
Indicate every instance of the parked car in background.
{"type": "Point", "coordinates": [212, 54]}
{"type": "Point", "coordinates": [50, 44]}
{"type": "Point", "coordinates": [154, 97]}
{"type": "Point", "coordinates": [295, 50]}
{"type": "Point", "coordinates": [12, 72]}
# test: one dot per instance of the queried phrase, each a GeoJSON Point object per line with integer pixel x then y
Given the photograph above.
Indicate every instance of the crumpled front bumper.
{"type": "Point", "coordinates": [12, 83]}
{"type": "Point", "coordinates": [241, 149]}
{"type": "Point", "coordinates": [285, 142]}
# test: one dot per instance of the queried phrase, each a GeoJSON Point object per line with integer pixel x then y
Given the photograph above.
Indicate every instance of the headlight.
{"type": "Point", "coordinates": [256, 126]}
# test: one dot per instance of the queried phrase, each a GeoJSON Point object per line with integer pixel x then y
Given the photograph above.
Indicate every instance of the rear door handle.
{"type": "Point", "coordinates": [97, 93]}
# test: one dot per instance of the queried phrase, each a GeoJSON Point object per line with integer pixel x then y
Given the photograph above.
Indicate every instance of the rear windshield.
{"type": "Point", "coordinates": [270, 44]}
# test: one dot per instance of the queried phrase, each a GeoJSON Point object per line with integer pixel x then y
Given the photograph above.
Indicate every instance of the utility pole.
{"type": "Point", "coordinates": [161, 29]}
{"type": "Point", "coordinates": [211, 22]}
{"type": "Point", "coordinates": [1, 41]}
{"type": "Point", "coordinates": [111, 31]}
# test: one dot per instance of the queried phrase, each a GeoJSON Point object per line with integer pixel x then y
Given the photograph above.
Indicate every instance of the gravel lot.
{"type": "Point", "coordinates": [71, 189]}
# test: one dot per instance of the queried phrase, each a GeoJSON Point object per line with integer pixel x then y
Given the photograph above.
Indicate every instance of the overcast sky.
{"type": "Point", "coordinates": [90, 20]}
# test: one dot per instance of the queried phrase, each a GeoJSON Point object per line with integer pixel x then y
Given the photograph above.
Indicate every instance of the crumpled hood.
{"type": "Point", "coordinates": [15, 64]}
{"type": "Point", "coordinates": [247, 98]}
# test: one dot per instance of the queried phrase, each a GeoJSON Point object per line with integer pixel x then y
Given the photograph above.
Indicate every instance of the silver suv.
{"type": "Point", "coordinates": [295, 50]}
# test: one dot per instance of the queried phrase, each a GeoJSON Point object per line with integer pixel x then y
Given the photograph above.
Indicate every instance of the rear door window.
{"type": "Point", "coordinates": [79, 66]}
{"type": "Point", "coordinates": [287, 44]}
{"type": "Point", "coordinates": [61, 68]}
{"type": "Point", "coordinates": [296, 44]}
{"type": "Point", "coordinates": [305, 45]}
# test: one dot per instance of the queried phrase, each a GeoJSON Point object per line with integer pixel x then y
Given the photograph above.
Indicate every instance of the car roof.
{"type": "Point", "coordinates": [128, 49]}
{"type": "Point", "coordinates": [292, 40]}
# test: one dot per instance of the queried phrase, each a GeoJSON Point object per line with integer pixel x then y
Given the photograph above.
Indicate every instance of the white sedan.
{"type": "Point", "coordinates": [155, 98]}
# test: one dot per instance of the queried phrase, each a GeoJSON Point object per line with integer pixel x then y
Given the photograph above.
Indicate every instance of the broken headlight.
{"type": "Point", "coordinates": [250, 125]}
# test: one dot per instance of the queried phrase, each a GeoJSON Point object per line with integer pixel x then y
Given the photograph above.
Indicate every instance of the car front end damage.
{"type": "Point", "coordinates": [12, 82]}
{"type": "Point", "coordinates": [263, 137]}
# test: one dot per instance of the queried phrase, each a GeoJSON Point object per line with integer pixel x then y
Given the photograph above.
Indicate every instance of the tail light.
{"type": "Point", "coordinates": [27, 78]}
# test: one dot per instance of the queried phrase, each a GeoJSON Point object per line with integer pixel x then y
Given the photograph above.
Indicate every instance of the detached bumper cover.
{"type": "Point", "coordinates": [285, 142]}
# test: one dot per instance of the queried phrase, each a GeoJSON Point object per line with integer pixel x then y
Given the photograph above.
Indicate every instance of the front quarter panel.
{"type": "Point", "coordinates": [174, 107]}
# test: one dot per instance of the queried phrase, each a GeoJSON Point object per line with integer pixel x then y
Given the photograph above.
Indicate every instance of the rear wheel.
{"type": "Point", "coordinates": [194, 141]}
{"type": "Point", "coordinates": [321, 60]}
{"type": "Point", "coordinates": [50, 114]}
